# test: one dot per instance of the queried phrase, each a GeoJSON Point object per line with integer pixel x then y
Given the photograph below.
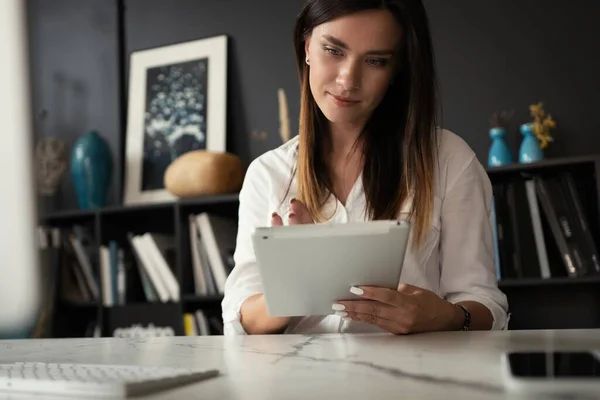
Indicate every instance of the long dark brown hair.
{"type": "Point", "coordinates": [398, 142]}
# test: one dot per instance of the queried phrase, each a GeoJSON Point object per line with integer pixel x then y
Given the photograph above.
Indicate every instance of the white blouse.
{"type": "Point", "coordinates": [456, 262]}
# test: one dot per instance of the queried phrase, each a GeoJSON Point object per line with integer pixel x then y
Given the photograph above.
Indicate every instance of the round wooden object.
{"type": "Point", "coordinates": [201, 173]}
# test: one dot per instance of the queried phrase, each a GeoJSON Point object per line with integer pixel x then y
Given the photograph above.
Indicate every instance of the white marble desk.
{"type": "Point", "coordinates": [452, 365]}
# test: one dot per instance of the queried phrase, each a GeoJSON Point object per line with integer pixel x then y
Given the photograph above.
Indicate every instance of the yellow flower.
{"type": "Point", "coordinates": [537, 110]}
{"type": "Point", "coordinates": [549, 122]}
{"type": "Point", "coordinates": [538, 129]}
{"type": "Point", "coordinates": [542, 124]}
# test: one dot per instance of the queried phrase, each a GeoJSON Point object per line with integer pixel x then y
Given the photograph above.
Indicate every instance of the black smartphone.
{"type": "Point", "coordinates": [570, 372]}
{"type": "Point", "coordinates": [554, 364]}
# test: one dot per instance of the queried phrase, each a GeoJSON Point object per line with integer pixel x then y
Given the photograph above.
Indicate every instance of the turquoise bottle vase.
{"type": "Point", "coordinates": [530, 150]}
{"type": "Point", "coordinates": [499, 153]}
{"type": "Point", "coordinates": [91, 170]}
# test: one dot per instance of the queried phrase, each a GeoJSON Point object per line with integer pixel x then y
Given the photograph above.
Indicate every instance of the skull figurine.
{"type": "Point", "coordinates": [51, 160]}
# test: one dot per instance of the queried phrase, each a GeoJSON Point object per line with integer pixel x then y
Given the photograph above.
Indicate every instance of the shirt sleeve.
{"type": "Point", "coordinates": [468, 270]}
{"type": "Point", "coordinates": [244, 280]}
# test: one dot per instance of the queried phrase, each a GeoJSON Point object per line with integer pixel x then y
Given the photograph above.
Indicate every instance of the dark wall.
{"type": "Point", "coordinates": [491, 55]}
{"type": "Point", "coordinates": [261, 57]}
{"type": "Point", "coordinates": [502, 54]}
{"type": "Point", "coordinates": [74, 62]}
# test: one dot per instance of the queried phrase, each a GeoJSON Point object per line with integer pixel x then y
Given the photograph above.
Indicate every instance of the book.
{"type": "Point", "coordinates": [106, 277]}
{"type": "Point", "coordinates": [555, 211]}
{"type": "Point", "coordinates": [147, 268]}
{"type": "Point", "coordinates": [200, 286]}
{"type": "Point", "coordinates": [538, 232]}
{"type": "Point", "coordinates": [578, 219]}
{"type": "Point", "coordinates": [218, 235]}
{"type": "Point", "coordinates": [157, 247]}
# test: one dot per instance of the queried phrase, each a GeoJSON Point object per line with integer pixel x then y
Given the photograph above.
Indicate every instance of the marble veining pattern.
{"type": "Point", "coordinates": [461, 365]}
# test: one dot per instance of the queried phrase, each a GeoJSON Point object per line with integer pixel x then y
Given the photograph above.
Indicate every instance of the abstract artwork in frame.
{"type": "Point", "coordinates": [177, 104]}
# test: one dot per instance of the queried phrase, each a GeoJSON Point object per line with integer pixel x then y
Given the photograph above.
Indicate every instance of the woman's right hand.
{"type": "Point", "coordinates": [298, 215]}
{"type": "Point", "coordinates": [255, 318]}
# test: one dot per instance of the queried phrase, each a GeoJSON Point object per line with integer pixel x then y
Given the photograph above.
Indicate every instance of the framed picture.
{"type": "Point", "coordinates": [177, 103]}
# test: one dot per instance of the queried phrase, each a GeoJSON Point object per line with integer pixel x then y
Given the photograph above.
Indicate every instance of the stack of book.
{"type": "Point", "coordinates": [541, 229]}
{"type": "Point", "coordinates": [153, 259]}
{"type": "Point", "coordinates": [212, 244]}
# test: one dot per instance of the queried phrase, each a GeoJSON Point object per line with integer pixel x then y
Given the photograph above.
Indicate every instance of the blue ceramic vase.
{"type": "Point", "coordinates": [499, 153]}
{"type": "Point", "coordinates": [530, 150]}
{"type": "Point", "coordinates": [91, 170]}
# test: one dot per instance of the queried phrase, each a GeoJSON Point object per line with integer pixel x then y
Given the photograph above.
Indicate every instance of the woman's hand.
{"type": "Point", "coordinates": [298, 215]}
{"type": "Point", "coordinates": [255, 318]}
{"type": "Point", "coordinates": [409, 309]}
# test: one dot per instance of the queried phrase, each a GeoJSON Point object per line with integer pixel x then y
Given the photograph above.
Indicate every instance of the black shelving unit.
{"type": "Point", "coordinates": [560, 301]}
{"type": "Point", "coordinates": [535, 303]}
{"type": "Point", "coordinates": [114, 223]}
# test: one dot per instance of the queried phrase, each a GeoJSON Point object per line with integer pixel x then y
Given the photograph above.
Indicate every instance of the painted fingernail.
{"type": "Point", "coordinates": [292, 200]}
{"type": "Point", "coordinates": [292, 215]}
{"type": "Point", "coordinates": [338, 307]}
{"type": "Point", "coordinates": [273, 215]}
{"type": "Point", "coordinates": [341, 313]}
{"type": "Point", "coordinates": [356, 290]}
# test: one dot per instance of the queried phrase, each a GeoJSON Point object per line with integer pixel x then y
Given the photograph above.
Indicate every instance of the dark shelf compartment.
{"type": "Point", "coordinates": [529, 282]}
{"type": "Point", "coordinates": [70, 216]}
{"type": "Point", "coordinates": [77, 304]}
{"type": "Point", "coordinates": [135, 208]}
{"type": "Point", "coordinates": [195, 299]}
{"type": "Point", "coordinates": [209, 200]}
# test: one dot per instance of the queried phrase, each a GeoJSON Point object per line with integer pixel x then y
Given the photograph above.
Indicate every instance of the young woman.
{"type": "Point", "coordinates": [369, 148]}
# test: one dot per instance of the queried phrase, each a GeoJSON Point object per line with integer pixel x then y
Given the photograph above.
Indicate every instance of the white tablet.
{"type": "Point", "coordinates": [306, 268]}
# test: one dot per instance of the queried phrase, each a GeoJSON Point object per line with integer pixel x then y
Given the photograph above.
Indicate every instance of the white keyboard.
{"type": "Point", "coordinates": [95, 380]}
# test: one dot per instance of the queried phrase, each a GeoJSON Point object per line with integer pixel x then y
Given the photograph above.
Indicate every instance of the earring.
{"type": "Point", "coordinates": [307, 61]}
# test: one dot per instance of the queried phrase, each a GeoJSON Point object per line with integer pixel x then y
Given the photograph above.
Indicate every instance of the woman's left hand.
{"type": "Point", "coordinates": [409, 309]}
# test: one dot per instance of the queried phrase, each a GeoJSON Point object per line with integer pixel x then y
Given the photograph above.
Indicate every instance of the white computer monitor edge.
{"type": "Point", "coordinates": [19, 263]}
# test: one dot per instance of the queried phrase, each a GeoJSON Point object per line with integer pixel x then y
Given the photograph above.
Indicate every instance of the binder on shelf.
{"type": "Point", "coordinates": [525, 241]}
{"type": "Point", "coordinates": [581, 230]}
{"type": "Point", "coordinates": [538, 232]}
{"type": "Point", "coordinates": [504, 229]}
{"type": "Point", "coordinates": [515, 233]}
{"type": "Point", "coordinates": [556, 213]}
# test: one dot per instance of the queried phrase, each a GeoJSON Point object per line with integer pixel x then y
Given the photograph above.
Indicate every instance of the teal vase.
{"type": "Point", "coordinates": [530, 150]}
{"type": "Point", "coordinates": [499, 153]}
{"type": "Point", "coordinates": [91, 170]}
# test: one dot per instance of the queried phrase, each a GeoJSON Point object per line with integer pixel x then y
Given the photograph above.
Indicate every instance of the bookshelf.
{"type": "Point", "coordinates": [560, 301]}
{"type": "Point", "coordinates": [114, 223]}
